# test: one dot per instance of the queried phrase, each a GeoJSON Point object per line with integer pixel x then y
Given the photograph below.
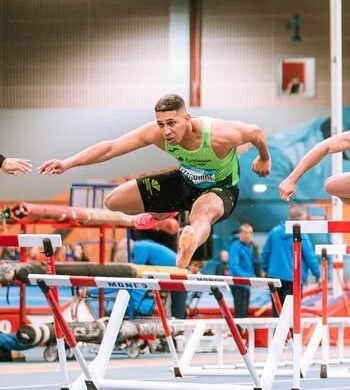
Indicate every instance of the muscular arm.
{"type": "Point", "coordinates": [234, 134]}
{"type": "Point", "coordinates": [239, 133]}
{"type": "Point", "coordinates": [106, 150]}
{"type": "Point", "coordinates": [335, 144]}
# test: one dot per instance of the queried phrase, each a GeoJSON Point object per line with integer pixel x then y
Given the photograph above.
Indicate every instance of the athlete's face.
{"type": "Point", "coordinates": [173, 125]}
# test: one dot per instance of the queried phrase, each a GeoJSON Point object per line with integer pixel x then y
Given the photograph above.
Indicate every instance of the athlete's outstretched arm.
{"type": "Point", "coordinates": [335, 144]}
{"type": "Point", "coordinates": [105, 150]}
{"type": "Point", "coordinates": [239, 133]}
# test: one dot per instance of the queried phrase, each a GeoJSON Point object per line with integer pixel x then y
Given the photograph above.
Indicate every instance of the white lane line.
{"type": "Point", "coordinates": [51, 385]}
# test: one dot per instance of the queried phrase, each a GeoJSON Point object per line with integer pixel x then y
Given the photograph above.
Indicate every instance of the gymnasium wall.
{"type": "Point", "coordinates": [242, 40]}
{"type": "Point", "coordinates": [83, 53]}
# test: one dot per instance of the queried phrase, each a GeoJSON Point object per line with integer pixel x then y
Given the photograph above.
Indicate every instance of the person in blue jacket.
{"type": "Point", "coordinates": [277, 257]}
{"type": "Point", "coordinates": [218, 265]}
{"type": "Point", "coordinates": [9, 345]}
{"type": "Point", "coordinates": [241, 263]}
{"type": "Point", "coordinates": [149, 252]}
{"type": "Point", "coordinates": [146, 252]}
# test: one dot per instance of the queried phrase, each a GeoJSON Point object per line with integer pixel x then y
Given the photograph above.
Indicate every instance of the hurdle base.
{"type": "Point", "coordinates": [323, 372]}
{"type": "Point", "coordinates": [177, 372]}
{"type": "Point", "coordinates": [90, 385]}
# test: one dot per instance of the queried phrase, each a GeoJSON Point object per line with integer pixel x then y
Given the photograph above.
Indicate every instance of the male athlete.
{"type": "Point", "coordinates": [337, 185]}
{"type": "Point", "coordinates": [206, 182]}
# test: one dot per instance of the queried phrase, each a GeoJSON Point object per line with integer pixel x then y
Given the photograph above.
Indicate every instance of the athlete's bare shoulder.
{"type": "Point", "coordinates": [149, 134]}
{"type": "Point", "coordinates": [232, 133]}
{"type": "Point", "coordinates": [222, 129]}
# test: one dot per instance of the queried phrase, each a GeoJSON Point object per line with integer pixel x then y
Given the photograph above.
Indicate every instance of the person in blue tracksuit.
{"type": "Point", "coordinates": [218, 265]}
{"type": "Point", "coordinates": [241, 263]}
{"type": "Point", "coordinates": [277, 257]}
{"type": "Point", "coordinates": [8, 344]}
{"type": "Point", "coordinates": [148, 252]}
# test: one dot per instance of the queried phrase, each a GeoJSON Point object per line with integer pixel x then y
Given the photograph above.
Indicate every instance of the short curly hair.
{"type": "Point", "coordinates": [171, 102]}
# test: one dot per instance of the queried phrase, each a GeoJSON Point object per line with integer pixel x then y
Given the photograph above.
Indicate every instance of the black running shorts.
{"type": "Point", "coordinates": [170, 192]}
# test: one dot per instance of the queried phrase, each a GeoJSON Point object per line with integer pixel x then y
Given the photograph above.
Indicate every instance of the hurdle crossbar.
{"type": "Point", "coordinates": [29, 240]}
{"type": "Point", "coordinates": [335, 249]}
{"type": "Point", "coordinates": [230, 280]}
{"type": "Point", "coordinates": [314, 227]}
{"type": "Point", "coordinates": [125, 283]}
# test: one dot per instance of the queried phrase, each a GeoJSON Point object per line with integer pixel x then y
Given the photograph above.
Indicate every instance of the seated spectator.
{"type": "Point", "coordinates": [195, 266]}
{"type": "Point", "coordinates": [64, 253]}
{"type": "Point", "coordinates": [218, 265]}
{"type": "Point", "coordinates": [9, 347]}
{"type": "Point", "coordinates": [146, 252]}
{"type": "Point", "coordinates": [10, 253]}
{"type": "Point", "coordinates": [79, 253]}
{"type": "Point", "coordinates": [34, 254]}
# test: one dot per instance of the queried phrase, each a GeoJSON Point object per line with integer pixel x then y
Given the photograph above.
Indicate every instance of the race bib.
{"type": "Point", "coordinates": [201, 178]}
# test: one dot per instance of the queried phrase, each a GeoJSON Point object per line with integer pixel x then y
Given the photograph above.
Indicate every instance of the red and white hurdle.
{"type": "Point", "coordinates": [297, 228]}
{"type": "Point", "coordinates": [48, 242]}
{"type": "Point", "coordinates": [93, 374]}
{"type": "Point", "coordinates": [333, 249]}
{"type": "Point", "coordinates": [315, 227]}
{"type": "Point", "coordinates": [230, 280]}
{"type": "Point", "coordinates": [199, 326]}
{"type": "Point", "coordinates": [29, 240]}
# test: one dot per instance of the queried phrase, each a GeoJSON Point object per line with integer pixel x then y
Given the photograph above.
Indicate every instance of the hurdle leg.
{"type": "Point", "coordinates": [341, 343]}
{"type": "Point", "coordinates": [62, 358]}
{"type": "Point", "coordinates": [325, 333]}
{"type": "Point", "coordinates": [277, 344]}
{"type": "Point", "coordinates": [278, 305]}
{"type": "Point", "coordinates": [297, 341]}
{"type": "Point", "coordinates": [192, 345]}
{"type": "Point", "coordinates": [67, 334]}
{"type": "Point", "coordinates": [99, 365]}
{"type": "Point", "coordinates": [225, 310]}
{"type": "Point", "coordinates": [167, 332]}
{"type": "Point", "coordinates": [311, 349]}
{"type": "Point", "coordinates": [220, 349]}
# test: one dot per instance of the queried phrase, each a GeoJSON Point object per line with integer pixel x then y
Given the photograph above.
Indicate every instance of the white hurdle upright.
{"type": "Point", "coordinates": [93, 374]}
{"type": "Point", "coordinates": [297, 228]}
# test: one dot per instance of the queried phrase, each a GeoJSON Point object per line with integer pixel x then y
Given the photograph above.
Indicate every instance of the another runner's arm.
{"type": "Point", "coordinates": [335, 144]}
{"type": "Point", "coordinates": [2, 159]}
